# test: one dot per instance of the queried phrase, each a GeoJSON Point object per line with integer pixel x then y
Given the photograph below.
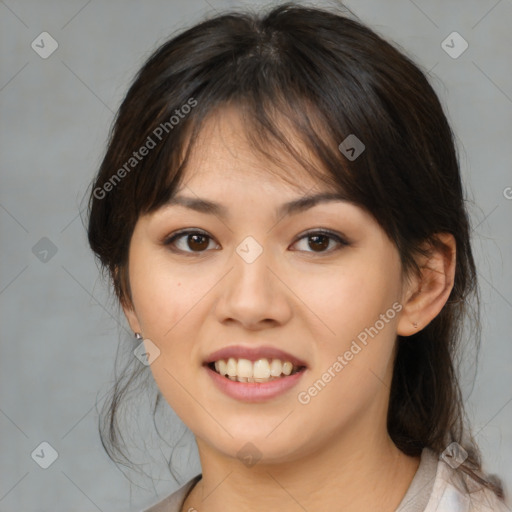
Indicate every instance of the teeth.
{"type": "Point", "coordinates": [261, 369]}
{"type": "Point", "coordinates": [275, 368]}
{"type": "Point", "coordinates": [231, 367]}
{"type": "Point", "coordinates": [287, 368]}
{"type": "Point", "coordinates": [243, 370]}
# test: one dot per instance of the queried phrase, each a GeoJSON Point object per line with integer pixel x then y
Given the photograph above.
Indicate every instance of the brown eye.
{"type": "Point", "coordinates": [189, 241]}
{"type": "Point", "coordinates": [319, 241]}
{"type": "Point", "coordinates": [197, 242]}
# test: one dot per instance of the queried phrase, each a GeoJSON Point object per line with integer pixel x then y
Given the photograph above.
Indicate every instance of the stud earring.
{"type": "Point", "coordinates": [138, 336]}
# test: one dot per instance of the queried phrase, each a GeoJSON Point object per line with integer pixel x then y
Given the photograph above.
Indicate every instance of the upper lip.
{"type": "Point", "coordinates": [253, 354]}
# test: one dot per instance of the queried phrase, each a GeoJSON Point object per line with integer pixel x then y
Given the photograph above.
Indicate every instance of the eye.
{"type": "Point", "coordinates": [320, 240]}
{"type": "Point", "coordinates": [195, 240]}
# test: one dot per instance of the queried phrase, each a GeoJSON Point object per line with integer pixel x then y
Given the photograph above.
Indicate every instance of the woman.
{"type": "Point", "coordinates": [281, 212]}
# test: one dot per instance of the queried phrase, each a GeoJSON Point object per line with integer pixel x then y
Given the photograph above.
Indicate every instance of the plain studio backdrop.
{"type": "Point", "coordinates": [59, 325]}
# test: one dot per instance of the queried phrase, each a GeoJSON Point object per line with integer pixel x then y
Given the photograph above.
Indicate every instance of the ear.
{"type": "Point", "coordinates": [126, 301]}
{"type": "Point", "coordinates": [131, 316]}
{"type": "Point", "coordinates": [426, 294]}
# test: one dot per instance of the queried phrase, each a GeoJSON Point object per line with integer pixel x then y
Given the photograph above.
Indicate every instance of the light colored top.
{"type": "Point", "coordinates": [436, 487]}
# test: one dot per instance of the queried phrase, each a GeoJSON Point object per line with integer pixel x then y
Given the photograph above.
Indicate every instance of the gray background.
{"type": "Point", "coordinates": [59, 325]}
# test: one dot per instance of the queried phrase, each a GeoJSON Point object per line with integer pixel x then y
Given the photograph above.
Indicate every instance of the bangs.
{"type": "Point", "coordinates": [272, 127]}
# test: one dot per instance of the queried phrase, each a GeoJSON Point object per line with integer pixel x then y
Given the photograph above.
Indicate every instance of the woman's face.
{"type": "Point", "coordinates": [262, 283]}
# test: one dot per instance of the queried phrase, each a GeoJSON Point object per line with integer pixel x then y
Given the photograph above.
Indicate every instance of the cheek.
{"type": "Point", "coordinates": [166, 302]}
{"type": "Point", "coordinates": [161, 295]}
{"type": "Point", "coordinates": [352, 297]}
{"type": "Point", "coordinates": [354, 347]}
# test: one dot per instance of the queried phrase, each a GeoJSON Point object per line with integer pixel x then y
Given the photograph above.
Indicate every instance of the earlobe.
{"type": "Point", "coordinates": [428, 293]}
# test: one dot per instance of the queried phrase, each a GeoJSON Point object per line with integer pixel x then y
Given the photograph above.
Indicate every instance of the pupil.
{"type": "Point", "coordinates": [192, 239]}
{"type": "Point", "coordinates": [317, 243]}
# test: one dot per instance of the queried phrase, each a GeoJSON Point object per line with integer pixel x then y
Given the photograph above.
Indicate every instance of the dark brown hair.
{"type": "Point", "coordinates": [326, 76]}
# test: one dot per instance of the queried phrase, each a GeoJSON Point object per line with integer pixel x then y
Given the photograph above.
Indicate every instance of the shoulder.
{"type": "Point", "coordinates": [174, 501]}
{"type": "Point", "coordinates": [456, 491]}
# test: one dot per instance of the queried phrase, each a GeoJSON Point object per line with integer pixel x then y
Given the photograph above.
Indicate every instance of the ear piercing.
{"type": "Point", "coordinates": [415, 325]}
{"type": "Point", "coordinates": [138, 336]}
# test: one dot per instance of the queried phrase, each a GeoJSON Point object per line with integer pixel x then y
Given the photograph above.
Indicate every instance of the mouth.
{"type": "Point", "coordinates": [262, 370]}
{"type": "Point", "coordinates": [256, 365]}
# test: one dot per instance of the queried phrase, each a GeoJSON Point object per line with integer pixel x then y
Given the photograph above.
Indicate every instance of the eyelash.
{"type": "Point", "coordinates": [169, 241]}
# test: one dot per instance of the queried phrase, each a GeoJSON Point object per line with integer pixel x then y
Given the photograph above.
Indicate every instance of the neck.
{"type": "Point", "coordinates": [343, 475]}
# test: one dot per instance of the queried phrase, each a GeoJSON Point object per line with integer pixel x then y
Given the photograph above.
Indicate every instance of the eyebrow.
{"type": "Point", "coordinates": [292, 207]}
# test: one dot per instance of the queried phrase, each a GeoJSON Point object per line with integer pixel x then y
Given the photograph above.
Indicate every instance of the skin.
{"type": "Point", "coordinates": [333, 453]}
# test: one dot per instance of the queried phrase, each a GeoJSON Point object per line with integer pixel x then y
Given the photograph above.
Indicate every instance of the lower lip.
{"type": "Point", "coordinates": [254, 391]}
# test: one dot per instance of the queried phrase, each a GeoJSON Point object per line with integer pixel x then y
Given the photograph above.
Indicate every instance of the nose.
{"type": "Point", "coordinates": [254, 295]}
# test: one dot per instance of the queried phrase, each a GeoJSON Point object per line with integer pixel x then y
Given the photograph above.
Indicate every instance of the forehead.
{"type": "Point", "coordinates": [231, 150]}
